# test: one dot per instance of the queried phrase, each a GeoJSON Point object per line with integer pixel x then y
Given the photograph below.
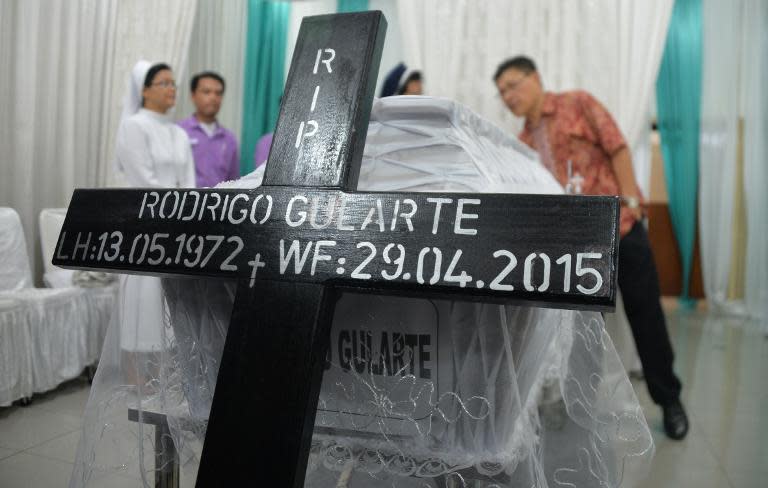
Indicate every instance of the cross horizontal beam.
{"type": "Point", "coordinates": [555, 250]}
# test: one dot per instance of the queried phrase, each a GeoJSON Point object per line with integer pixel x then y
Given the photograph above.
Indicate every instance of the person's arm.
{"type": "Point", "coordinates": [613, 143]}
{"type": "Point", "coordinates": [625, 175]}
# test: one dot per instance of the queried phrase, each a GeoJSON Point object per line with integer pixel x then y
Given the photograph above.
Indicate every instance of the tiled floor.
{"type": "Point", "coordinates": [723, 363]}
{"type": "Point", "coordinates": [724, 367]}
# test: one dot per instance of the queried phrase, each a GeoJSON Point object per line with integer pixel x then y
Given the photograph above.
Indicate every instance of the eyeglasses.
{"type": "Point", "coordinates": [165, 84]}
{"type": "Point", "coordinates": [513, 85]}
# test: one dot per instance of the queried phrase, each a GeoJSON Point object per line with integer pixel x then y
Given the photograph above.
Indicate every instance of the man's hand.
{"type": "Point", "coordinates": [634, 205]}
{"type": "Point", "coordinates": [637, 213]}
{"type": "Point", "coordinates": [628, 188]}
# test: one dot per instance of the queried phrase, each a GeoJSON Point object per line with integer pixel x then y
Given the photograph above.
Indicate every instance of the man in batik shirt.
{"type": "Point", "coordinates": [579, 142]}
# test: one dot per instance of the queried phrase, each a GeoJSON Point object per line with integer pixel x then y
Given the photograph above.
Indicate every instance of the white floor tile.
{"type": "Point", "coordinates": [667, 477]}
{"type": "Point", "coordinates": [4, 453]}
{"type": "Point", "coordinates": [693, 452]}
{"type": "Point", "coordinates": [69, 398]}
{"type": "Point", "coordinates": [747, 451]}
{"type": "Point", "coordinates": [723, 369]}
{"type": "Point", "coordinates": [22, 428]}
{"type": "Point", "coordinates": [63, 448]}
{"type": "Point", "coordinates": [747, 479]}
{"type": "Point", "coordinates": [115, 481]}
{"type": "Point", "coordinates": [29, 471]}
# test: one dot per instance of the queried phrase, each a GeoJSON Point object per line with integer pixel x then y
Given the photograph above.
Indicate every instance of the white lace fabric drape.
{"type": "Point", "coordinates": [611, 48]}
{"type": "Point", "coordinates": [514, 396]}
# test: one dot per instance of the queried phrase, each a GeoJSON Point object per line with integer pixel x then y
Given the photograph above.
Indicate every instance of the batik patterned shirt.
{"type": "Point", "coordinates": [580, 130]}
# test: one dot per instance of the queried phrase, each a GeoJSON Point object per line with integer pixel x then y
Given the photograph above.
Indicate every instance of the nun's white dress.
{"type": "Point", "coordinates": [152, 152]}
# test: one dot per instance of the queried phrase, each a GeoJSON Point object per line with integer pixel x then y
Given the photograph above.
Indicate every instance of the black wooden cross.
{"type": "Point", "coordinates": [306, 233]}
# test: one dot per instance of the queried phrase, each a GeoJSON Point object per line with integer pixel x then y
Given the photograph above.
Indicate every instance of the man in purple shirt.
{"type": "Point", "coordinates": [214, 148]}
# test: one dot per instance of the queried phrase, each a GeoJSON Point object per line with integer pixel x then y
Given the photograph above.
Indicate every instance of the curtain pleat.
{"type": "Point", "coordinates": [678, 100]}
{"type": "Point", "coordinates": [65, 66]}
{"type": "Point", "coordinates": [218, 44]}
{"type": "Point", "coordinates": [611, 48]}
{"type": "Point", "coordinates": [55, 59]}
{"type": "Point", "coordinates": [755, 103]}
{"type": "Point", "coordinates": [351, 5]}
{"type": "Point", "coordinates": [719, 148]}
{"type": "Point", "coordinates": [264, 65]}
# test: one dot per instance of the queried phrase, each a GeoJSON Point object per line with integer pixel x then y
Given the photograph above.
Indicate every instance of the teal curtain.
{"type": "Point", "coordinates": [678, 98]}
{"type": "Point", "coordinates": [264, 73]}
{"type": "Point", "coordinates": [351, 5]}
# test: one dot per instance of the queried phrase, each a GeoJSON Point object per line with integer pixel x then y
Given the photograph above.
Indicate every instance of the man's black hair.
{"type": "Point", "coordinates": [206, 74]}
{"type": "Point", "coordinates": [520, 63]}
{"type": "Point", "coordinates": [153, 71]}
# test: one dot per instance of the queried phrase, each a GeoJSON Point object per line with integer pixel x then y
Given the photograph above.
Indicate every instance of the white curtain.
{"type": "Point", "coordinates": [299, 10]}
{"type": "Point", "coordinates": [54, 72]}
{"type": "Point", "coordinates": [217, 44]}
{"type": "Point", "coordinates": [718, 142]}
{"type": "Point", "coordinates": [63, 70]}
{"type": "Point", "coordinates": [755, 73]}
{"type": "Point", "coordinates": [611, 48]}
{"type": "Point", "coordinates": [735, 67]}
{"type": "Point", "coordinates": [393, 48]}
{"type": "Point", "coordinates": [155, 31]}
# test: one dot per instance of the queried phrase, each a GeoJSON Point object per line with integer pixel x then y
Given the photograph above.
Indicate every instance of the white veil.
{"type": "Point", "coordinates": [131, 104]}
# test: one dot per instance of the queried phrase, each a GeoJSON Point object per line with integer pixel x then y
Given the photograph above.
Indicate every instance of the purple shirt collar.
{"type": "Point", "coordinates": [192, 123]}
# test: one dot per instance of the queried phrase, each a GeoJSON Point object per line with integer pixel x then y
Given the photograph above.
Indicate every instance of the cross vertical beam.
{"type": "Point", "coordinates": [264, 407]}
{"type": "Point", "coordinates": [320, 134]}
{"type": "Point", "coordinates": [261, 422]}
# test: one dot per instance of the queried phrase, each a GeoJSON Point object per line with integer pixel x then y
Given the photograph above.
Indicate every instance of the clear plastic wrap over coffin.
{"type": "Point", "coordinates": [417, 392]}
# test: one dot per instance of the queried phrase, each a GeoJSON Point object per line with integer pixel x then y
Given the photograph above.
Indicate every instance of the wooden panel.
{"type": "Point", "coordinates": [667, 255]}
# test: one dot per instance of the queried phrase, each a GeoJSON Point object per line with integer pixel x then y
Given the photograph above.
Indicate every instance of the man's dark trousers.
{"type": "Point", "coordinates": [639, 285]}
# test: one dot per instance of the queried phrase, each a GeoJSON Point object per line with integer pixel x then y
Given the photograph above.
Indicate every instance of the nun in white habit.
{"type": "Point", "coordinates": [150, 151]}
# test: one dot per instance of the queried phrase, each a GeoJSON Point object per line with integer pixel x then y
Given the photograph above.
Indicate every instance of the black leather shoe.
{"type": "Point", "coordinates": [675, 421]}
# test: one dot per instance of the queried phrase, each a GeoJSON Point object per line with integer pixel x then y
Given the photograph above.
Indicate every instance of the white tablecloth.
{"type": "Point", "coordinates": [48, 336]}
